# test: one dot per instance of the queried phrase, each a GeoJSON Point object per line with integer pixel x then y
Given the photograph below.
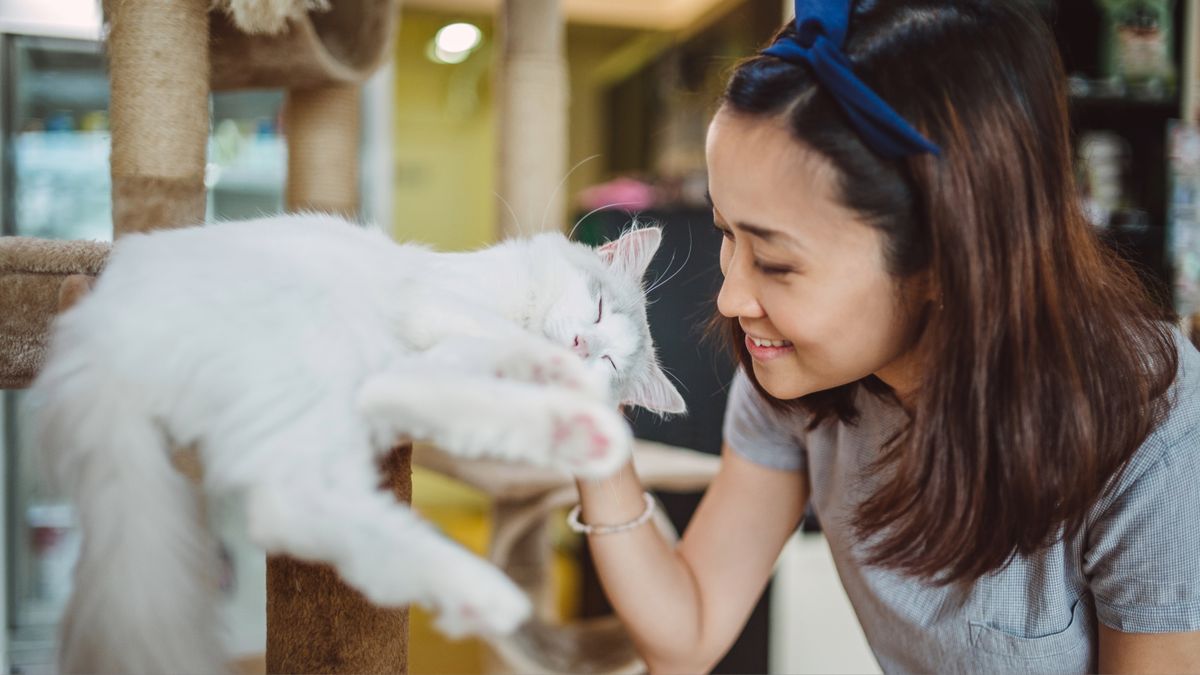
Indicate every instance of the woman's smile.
{"type": "Point", "coordinates": [764, 349]}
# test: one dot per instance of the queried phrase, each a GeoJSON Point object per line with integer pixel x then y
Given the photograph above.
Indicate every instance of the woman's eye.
{"type": "Point", "coordinates": [725, 232]}
{"type": "Point", "coordinates": [600, 311]}
{"type": "Point", "coordinates": [772, 270]}
{"type": "Point", "coordinates": [610, 362]}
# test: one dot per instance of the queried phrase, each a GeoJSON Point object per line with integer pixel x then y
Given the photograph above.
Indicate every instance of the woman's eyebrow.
{"type": "Point", "coordinates": [766, 234]}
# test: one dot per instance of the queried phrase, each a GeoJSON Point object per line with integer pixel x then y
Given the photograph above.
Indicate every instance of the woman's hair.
{"type": "Point", "coordinates": [1045, 363]}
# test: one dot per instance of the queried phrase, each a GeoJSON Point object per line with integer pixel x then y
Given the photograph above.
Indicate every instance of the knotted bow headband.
{"type": "Point", "coordinates": [821, 30]}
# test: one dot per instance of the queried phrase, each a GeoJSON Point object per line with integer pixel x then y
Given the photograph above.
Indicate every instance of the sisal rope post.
{"type": "Point", "coordinates": [532, 93]}
{"type": "Point", "coordinates": [159, 70]}
{"type": "Point", "coordinates": [323, 125]}
{"type": "Point", "coordinates": [315, 622]}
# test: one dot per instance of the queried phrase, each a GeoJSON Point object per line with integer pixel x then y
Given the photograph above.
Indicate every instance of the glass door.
{"type": "Point", "coordinates": [55, 186]}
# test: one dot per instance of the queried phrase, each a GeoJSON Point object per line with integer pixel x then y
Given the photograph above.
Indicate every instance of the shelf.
{"type": "Point", "coordinates": [1164, 106]}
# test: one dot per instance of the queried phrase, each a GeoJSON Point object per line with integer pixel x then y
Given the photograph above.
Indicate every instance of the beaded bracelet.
{"type": "Point", "coordinates": [576, 526]}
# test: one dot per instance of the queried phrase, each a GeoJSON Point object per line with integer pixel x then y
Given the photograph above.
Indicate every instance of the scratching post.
{"type": "Point", "coordinates": [323, 126]}
{"type": "Point", "coordinates": [159, 69]}
{"type": "Point", "coordinates": [532, 108]}
{"type": "Point", "coordinates": [317, 624]}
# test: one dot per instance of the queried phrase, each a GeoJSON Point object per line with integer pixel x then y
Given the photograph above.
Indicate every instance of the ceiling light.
{"type": "Point", "coordinates": [457, 38]}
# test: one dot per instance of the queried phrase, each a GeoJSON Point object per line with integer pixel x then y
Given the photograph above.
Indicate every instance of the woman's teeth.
{"type": "Point", "coordinates": [770, 343]}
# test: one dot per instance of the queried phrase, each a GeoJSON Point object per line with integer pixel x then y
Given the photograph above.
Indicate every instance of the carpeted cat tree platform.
{"type": "Point", "coordinates": [166, 56]}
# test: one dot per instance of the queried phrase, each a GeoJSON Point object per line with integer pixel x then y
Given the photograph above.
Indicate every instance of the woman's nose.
{"type": "Point", "coordinates": [580, 347]}
{"type": "Point", "coordinates": [735, 298]}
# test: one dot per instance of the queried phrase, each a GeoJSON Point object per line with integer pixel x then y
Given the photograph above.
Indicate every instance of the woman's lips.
{"type": "Point", "coordinates": [767, 352]}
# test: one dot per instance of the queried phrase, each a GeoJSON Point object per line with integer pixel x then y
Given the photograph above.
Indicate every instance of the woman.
{"type": "Point", "coordinates": [1000, 433]}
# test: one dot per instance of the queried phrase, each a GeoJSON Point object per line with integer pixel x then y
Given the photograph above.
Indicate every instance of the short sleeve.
{"type": "Point", "coordinates": [760, 433]}
{"type": "Point", "coordinates": [1143, 556]}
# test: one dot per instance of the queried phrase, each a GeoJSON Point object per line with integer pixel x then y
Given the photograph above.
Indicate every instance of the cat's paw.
{"type": "Point", "coordinates": [469, 595]}
{"type": "Point", "coordinates": [591, 443]}
{"type": "Point", "coordinates": [558, 368]}
{"type": "Point", "coordinates": [480, 601]}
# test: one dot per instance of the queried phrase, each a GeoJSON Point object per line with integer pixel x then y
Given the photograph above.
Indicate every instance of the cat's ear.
{"type": "Point", "coordinates": [657, 393]}
{"type": "Point", "coordinates": [631, 253]}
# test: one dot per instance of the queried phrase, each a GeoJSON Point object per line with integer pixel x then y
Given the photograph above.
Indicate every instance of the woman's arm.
{"type": "Point", "coordinates": [1148, 652]}
{"type": "Point", "coordinates": [685, 607]}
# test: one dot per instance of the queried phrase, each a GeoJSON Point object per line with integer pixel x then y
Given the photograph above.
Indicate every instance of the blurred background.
{"type": "Point", "coordinates": [643, 78]}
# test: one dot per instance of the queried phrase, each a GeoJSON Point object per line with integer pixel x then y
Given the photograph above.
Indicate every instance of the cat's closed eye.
{"type": "Point", "coordinates": [600, 311]}
{"type": "Point", "coordinates": [612, 363]}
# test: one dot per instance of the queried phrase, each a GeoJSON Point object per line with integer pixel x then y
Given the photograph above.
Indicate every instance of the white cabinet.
{"type": "Point", "coordinates": [813, 626]}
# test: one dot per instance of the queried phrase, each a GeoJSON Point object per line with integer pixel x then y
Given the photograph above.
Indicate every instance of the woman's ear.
{"type": "Point", "coordinates": [921, 290]}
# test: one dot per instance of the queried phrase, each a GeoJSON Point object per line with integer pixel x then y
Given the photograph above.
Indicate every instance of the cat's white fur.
{"type": "Point", "coordinates": [292, 352]}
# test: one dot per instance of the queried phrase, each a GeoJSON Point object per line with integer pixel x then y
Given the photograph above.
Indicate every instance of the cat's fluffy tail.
{"type": "Point", "coordinates": [142, 600]}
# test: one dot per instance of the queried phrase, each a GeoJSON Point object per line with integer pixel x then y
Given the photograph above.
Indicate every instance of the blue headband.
{"type": "Point", "coordinates": [821, 27]}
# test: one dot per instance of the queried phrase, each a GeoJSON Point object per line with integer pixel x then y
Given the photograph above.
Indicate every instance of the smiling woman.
{"type": "Point", "coordinates": [794, 253]}
{"type": "Point", "coordinates": [995, 424]}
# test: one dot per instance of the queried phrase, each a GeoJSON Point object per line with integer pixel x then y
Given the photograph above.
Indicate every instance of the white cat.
{"type": "Point", "coordinates": [293, 352]}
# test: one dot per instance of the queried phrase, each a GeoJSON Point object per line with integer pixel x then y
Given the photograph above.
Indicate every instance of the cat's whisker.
{"type": "Point", "coordinates": [685, 262]}
{"type": "Point", "coordinates": [666, 281]}
{"type": "Point", "coordinates": [593, 211]}
{"type": "Point", "coordinates": [678, 382]}
{"type": "Point", "coordinates": [511, 212]}
{"type": "Point", "coordinates": [654, 284]}
{"type": "Point", "coordinates": [546, 210]}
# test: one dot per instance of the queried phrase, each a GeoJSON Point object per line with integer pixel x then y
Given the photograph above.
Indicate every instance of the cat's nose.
{"type": "Point", "coordinates": [580, 347]}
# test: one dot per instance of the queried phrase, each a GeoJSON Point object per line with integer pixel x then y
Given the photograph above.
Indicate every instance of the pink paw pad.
{"type": "Point", "coordinates": [583, 427]}
{"type": "Point", "coordinates": [599, 449]}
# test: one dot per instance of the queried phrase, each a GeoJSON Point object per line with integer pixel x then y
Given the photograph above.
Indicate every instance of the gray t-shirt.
{"type": "Point", "coordinates": [1135, 566]}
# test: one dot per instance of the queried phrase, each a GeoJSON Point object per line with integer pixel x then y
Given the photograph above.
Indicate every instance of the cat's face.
{"type": "Point", "coordinates": [598, 310]}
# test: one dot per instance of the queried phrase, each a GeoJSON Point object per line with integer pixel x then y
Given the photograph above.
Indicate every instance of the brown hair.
{"type": "Point", "coordinates": [1046, 362]}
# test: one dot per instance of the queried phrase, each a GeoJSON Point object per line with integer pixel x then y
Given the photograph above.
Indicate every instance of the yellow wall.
{"type": "Point", "coordinates": [445, 139]}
